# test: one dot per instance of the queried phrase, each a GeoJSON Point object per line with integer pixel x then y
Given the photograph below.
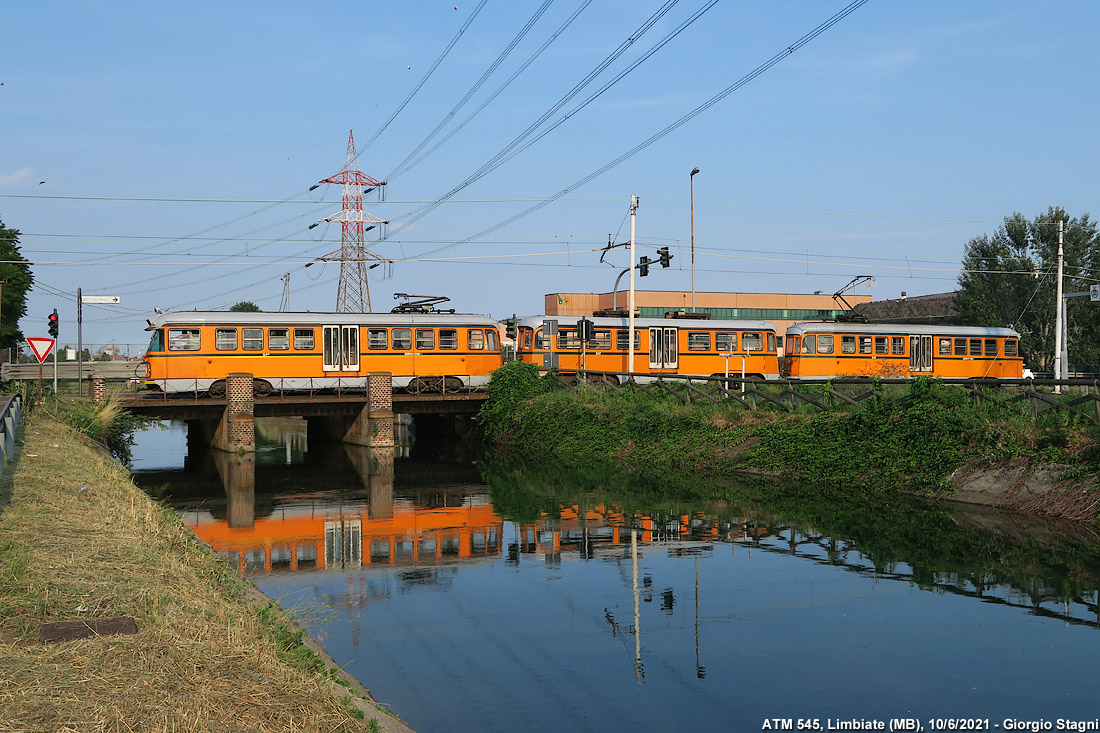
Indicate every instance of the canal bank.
{"type": "Point", "coordinates": [184, 642]}
{"type": "Point", "coordinates": [927, 439]}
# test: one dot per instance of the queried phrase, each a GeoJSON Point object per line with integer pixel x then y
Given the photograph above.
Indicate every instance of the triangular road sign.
{"type": "Point", "coordinates": [41, 347]}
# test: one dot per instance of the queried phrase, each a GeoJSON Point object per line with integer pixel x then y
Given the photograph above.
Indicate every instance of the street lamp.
{"type": "Point", "coordinates": [691, 180]}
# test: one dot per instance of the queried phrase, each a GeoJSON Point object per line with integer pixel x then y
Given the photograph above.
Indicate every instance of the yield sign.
{"type": "Point", "coordinates": [41, 347]}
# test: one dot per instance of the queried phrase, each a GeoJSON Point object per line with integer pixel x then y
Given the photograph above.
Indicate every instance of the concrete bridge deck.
{"type": "Point", "coordinates": [300, 405]}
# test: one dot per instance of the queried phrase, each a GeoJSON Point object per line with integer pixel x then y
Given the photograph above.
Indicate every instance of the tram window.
{"type": "Point", "coordinates": [771, 342]}
{"type": "Point", "coordinates": [377, 339]}
{"type": "Point", "coordinates": [880, 345]}
{"type": "Point", "coordinates": [252, 339]}
{"type": "Point", "coordinates": [809, 344]}
{"type": "Point", "coordinates": [897, 345]}
{"type": "Point", "coordinates": [567, 338]}
{"type": "Point", "coordinates": [425, 339]}
{"type": "Point", "coordinates": [448, 338]}
{"type": "Point", "coordinates": [725, 341]}
{"type": "Point", "coordinates": [527, 334]}
{"type": "Point", "coordinates": [1010, 347]}
{"type": "Point", "coordinates": [402, 339]}
{"type": "Point", "coordinates": [847, 344]}
{"type": "Point", "coordinates": [752, 341]}
{"type": "Point", "coordinates": [183, 339]}
{"type": "Point", "coordinates": [475, 339]}
{"type": "Point", "coordinates": [225, 339]}
{"type": "Point", "coordinates": [157, 342]}
{"type": "Point", "coordinates": [492, 340]}
{"type": "Point", "coordinates": [865, 344]}
{"type": "Point", "coordinates": [960, 347]}
{"type": "Point", "coordinates": [620, 340]}
{"type": "Point", "coordinates": [303, 339]}
{"type": "Point", "coordinates": [945, 347]}
{"type": "Point", "coordinates": [278, 339]}
{"type": "Point", "coordinates": [541, 340]}
{"type": "Point", "coordinates": [601, 340]}
{"type": "Point", "coordinates": [698, 341]}
{"type": "Point", "coordinates": [975, 347]}
{"type": "Point", "coordinates": [991, 347]}
{"type": "Point", "coordinates": [825, 344]}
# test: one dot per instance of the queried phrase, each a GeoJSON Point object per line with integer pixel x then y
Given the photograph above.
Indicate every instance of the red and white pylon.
{"type": "Point", "coordinates": [353, 292]}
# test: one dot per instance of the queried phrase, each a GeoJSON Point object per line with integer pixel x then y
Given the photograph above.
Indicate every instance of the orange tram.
{"type": "Point", "coordinates": [661, 346]}
{"type": "Point", "coordinates": [840, 349]}
{"type": "Point", "coordinates": [425, 352]}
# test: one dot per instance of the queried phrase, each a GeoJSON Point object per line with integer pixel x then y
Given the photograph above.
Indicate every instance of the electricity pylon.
{"type": "Point", "coordinates": [353, 293]}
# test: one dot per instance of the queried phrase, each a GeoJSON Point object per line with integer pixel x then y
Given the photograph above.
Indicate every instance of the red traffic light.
{"type": "Point", "coordinates": [53, 323]}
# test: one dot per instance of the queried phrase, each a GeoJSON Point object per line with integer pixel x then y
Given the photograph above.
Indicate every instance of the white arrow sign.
{"type": "Point", "coordinates": [101, 299]}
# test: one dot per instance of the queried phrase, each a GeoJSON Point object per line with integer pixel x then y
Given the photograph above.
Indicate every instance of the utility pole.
{"type": "Point", "coordinates": [1058, 315]}
{"type": "Point", "coordinates": [630, 300]}
{"type": "Point", "coordinates": [691, 180]}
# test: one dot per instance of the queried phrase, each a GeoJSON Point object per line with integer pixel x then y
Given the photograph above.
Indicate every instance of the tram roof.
{"type": "Point", "coordinates": [239, 318]}
{"type": "Point", "coordinates": [701, 324]}
{"type": "Point", "coordinates": [897, 328]}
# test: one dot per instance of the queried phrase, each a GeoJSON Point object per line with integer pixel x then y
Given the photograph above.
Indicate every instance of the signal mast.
{"type": "Point", "coordinates": [353, 292]}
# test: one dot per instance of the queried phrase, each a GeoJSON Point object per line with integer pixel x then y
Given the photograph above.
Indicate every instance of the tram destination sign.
{"type": "Point", "coordinates": [113, 299]}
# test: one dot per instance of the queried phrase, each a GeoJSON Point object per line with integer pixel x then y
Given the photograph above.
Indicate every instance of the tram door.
{"type": "Point", "coordinates": [663, 351]}
{"type": "Point", "coordinates": [920, 353]}
{"type": "Point", "coordinates": [341, 348]}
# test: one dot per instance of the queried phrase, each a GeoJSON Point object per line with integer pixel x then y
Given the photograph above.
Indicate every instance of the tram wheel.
{"type": "Point", "coordinates": [454, 384]}
{"type": "Point", "coordinates": [416, 385]}
{"type": "Point", "coordinates": [217, 389]}
{"type": "Point", "coordinates": [262, 388]}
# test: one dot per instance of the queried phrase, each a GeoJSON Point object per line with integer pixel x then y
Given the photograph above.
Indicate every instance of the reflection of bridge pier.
{"type": "Point", "coordinates": [238, 474]}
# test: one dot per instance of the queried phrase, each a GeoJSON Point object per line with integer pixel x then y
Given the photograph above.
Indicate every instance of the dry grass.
{"type": "Point", "coordinates": [80, 540]}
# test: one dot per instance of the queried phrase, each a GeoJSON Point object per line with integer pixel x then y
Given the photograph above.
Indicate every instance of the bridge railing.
{"type": "Point", "coordinates": [1077, 396]}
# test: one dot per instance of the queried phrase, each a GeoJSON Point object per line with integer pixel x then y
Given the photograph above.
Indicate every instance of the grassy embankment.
{"type": "Point", "coordinates": [907, 442]}
{"type": "Point", "coordinates": [79, 541]}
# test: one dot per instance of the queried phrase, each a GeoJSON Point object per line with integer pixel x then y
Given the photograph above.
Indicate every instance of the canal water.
{"type": "Point", "coordinates": [506, 597]}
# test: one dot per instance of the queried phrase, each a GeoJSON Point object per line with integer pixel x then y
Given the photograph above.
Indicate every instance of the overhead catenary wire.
{"type": "Point", "coordinates": [422, 81]}
{"type": "Point", "coordinates": [499, 157]}
{"type": "Point", "coordinates": [789, 50]}
{"type": "Point", "coordinates": [449, 117]}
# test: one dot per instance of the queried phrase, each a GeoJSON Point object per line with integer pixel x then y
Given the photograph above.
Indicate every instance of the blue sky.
{"type": "Point", "coordinates": [878, 148]}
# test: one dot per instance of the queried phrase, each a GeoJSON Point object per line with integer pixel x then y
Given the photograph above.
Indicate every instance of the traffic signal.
{"type": "Point", "coordinates": [53, 323]}
{"type": "Point", "coordinates": [586, 329]}
{"type": "Point", "coordinates": [665, 256]}
{"type": "Point", "coordinates": [643, 266]}
{"type": "Point", "coordinates": [510, 326]}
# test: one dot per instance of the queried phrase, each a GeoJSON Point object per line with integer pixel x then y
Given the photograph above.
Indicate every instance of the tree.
{"type": "Point", "coordinates": [15, 274]}
{"type": "Point", "coordinates": [245, 306]}
{"type": "Point", "coordinates": [1009, 279]}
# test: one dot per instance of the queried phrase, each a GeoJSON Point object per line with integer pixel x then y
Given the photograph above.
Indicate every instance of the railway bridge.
{"type": "Point", "coordinates": [356, 417]}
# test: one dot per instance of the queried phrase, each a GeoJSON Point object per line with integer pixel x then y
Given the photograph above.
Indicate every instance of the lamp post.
{"type": "Point", "coordinates": [691, 181]}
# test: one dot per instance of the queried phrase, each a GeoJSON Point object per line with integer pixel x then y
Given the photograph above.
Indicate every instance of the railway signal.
{"type": "Point", "coordinates": [643, 266]}
{"type": "Point", "coordinates": [510, 326]}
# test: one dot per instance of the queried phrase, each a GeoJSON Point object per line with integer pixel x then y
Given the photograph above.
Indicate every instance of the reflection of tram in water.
{"type": "Point", "coordinates": [308, 536]}
{"type": "Point", "coordinates": [661, 346]}
{"type": "Point", "coordinates": [425, 351]}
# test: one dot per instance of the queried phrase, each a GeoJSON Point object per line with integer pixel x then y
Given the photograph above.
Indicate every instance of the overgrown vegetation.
{"type": "Point", "coordinates": [908, 440]}
{"type": "Point", "coordinates": [107, 423]}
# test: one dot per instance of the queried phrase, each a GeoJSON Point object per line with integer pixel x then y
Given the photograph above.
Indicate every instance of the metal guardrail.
{"type": "Point", "coordinates": [68, 370]}
{"type": "Point", "coordinates": [11, 414]}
